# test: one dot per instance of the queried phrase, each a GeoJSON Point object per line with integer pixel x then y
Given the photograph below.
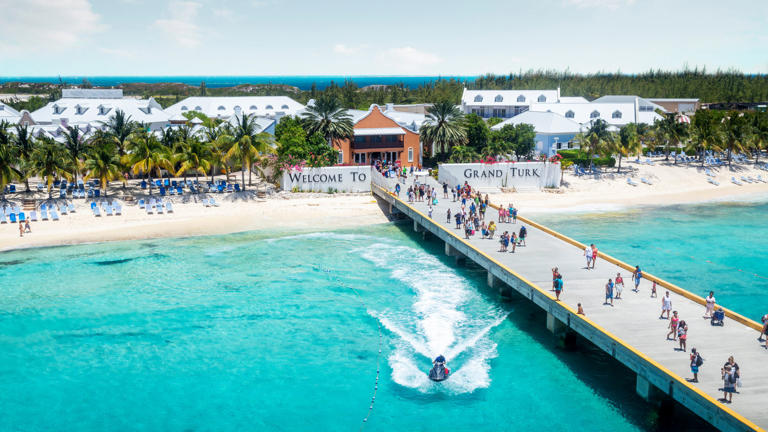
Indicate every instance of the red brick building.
{"type": "Point", "coordinates": [379, 137]}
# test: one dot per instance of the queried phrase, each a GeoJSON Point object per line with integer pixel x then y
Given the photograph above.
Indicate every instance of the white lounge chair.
{"type": "Point", "coordinates": [745, 180]}
{"type": "Point", "coordinates": [646, 181]}
{"type": "Point", "coordinates": [159, 207]}
{"type": "Point", "coordinates": [169, 207]}
{"type": "Point", "coordinates": [631, 182]}
{"type": "Point", "coordinates": [71, 208]}
{"type": "Point", "coordinates": [33, 216]}
{"type": "Point", "coordinates": [736, 182]}
{"type": "Point", "coordinates": [54, 215]}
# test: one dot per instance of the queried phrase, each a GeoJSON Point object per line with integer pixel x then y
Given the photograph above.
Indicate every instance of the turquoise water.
{"type": "Point", "coordinates": [264, 332]}
{"type": "Point", "coordinates": [303, 82]}
{"type": "Point", "coordinates": [710, 247]}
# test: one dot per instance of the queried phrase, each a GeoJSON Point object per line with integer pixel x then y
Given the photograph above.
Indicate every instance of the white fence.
{"type": "Point", "coordinates": [518, 175]}
{"type": "Point", "coordinates": [328, 179]}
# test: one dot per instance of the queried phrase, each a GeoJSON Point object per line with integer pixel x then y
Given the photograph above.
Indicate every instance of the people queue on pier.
{"type": "Point", "coordinates": [471, 218]}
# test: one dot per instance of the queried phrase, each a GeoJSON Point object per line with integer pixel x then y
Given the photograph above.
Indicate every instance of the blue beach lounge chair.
{"type": "Point", "coordinates": [54, 215]}
{"type": "Point", "coordinates": [22, 217]}
{"type": "Point", "coordinates": [12, 217]}
{"type": "Point", "coordinates": [33, 216]}
{"type": "Point", "coordinates": [169, 207]}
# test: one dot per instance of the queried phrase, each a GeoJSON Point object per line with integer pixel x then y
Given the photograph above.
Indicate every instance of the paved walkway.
{"type": "Point", "coordinates": [635, 317]}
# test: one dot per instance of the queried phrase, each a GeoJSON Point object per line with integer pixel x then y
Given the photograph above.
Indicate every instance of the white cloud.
{"type": "Point", "coordinates": [224, 13]}
{"type": "Point", "coordinates": [347, 50]}
{"type": "Point", "coordinates": [37, 25]}
{"type": "Point", "coordinates": [117, 52]}
{"type": "Point", "coordinates": [608, 4]}
{"type": "Point", "coordinates": [409, 56]}
{"type": "Point", "coordinates": [181, 25]}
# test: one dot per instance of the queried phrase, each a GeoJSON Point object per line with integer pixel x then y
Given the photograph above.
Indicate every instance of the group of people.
{"type": "Point", "coordinates": [24, 227]}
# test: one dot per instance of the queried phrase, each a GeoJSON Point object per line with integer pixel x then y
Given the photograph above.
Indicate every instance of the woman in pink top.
{"type": "Point", "coordinates": [594, 255]}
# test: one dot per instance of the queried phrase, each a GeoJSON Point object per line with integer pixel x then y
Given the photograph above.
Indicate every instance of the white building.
{"type": "Point", "coordinates": [9, 114]}
{"type": "Point", "coordinates": [617, 111]}
{"type": "Point", "coordinates": [96, 107]}
{"type": "Point", "coordinates": [504, 103]}
{"type": "Point", "coordinates": [553, 131]}
{"type": "Point", "coordinates": [224, 107]}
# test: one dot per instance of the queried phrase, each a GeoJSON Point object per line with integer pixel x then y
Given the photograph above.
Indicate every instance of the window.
{"type": "Point", "coordinates": [570, 144]}
{"type": "Point", "coordinates": [595, 114]}
{"type": "Point", "coordinates": [56, 109]}
{"type": "Point", "coordinates": [253, 108]}
{"type": "Point", "coordinates": [2, 107]}
{"type": "Point", "coordinates": [359, 158]}
{"type": "Point", "coordinates": [569, 114]}
{"type": "Point", "coordinates": [410, 154]}
{"type": "Point", "coordinates": [237, 108]}
{"type": "Point", "coordinates": [559, 146]}
{"type": "Point", "coordinates": [500, 112]}
{"type": "Point", "coordinates": [269, 107]}
{"type": "Point", "coordinates": [616, 114]}
{"type": "Point", "coordinates": [478, 98]}
{"type": "Point", "coordinates": [341, 157]}
{"type": "Point", "coordinates": [26, 124]}
{"type": "Point", "coordinates": [79, 109]}
{"type": "Point", "coordinates": [498, 98]}
{"type": "Point", "coordinates": [376, 138]}
{"type": "Point", "coordinates": [392, 138]}
{"type": "Point", "coordinates": [542, 98]}
{"type": "Point", "coordinates": [221, 108]}
{"type": "Point", "coordinates": [478, 111]}
{"type": "Point", "coordinates": [284, 107]}
{"type": "Point", "coordinates": [197, 108]}
{"type": "Point", "coordinates": [184, 108]}
{"type": "Point", "coordinates": [521, 98]}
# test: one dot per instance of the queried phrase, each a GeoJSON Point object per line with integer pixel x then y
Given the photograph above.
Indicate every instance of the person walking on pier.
{"type": "Point", "coordinates": [445, 190]}
{"type": "Point", "coordinates": [673, 326]}
{"type": "Point", "coordinates": [710, 309]}
{"type": "Point", "coordinates": [636, 276]}
{"type": "Point", "coordinates": [682, 334]}
{"type": "Point", "coordinates": [609, 293]}
{"type": "Point", "coordinates": [594, 255]}
{"type": "Point", "coordinates": [522, 236]}
{"type": "Point", "coordinates": [666, 306]}
{"type": "Point", "coordinates": [514, 240]}
{"type": "Point", "coordinates": [588, 255]}
{"type": "Point", "coordinates": [696, 362]}
{"type": "Point", "coordinates": [729, 383]}
{"type": "Point", "coordinates": [619, 285]}
{"type": "Point", "coordinates": [397, 190]}
{"type": "Point", "coordinates": [558, 286]}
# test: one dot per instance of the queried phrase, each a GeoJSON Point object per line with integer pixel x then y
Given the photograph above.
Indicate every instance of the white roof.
{"type": "Point", "coordinates": [573, 99]}
{"type": "Point", "coordinates": [97, 111]}
{"type": "Point", "coordinates": [628, 99]}
{"type": "Point", "coordinates": [58, 132]}
{"type": "Point", "coordinates": [379, 131]}
{"type": "Point", "coordinates": [543, 122]}
{"type": "Point", "coordinates": [262, 122]}
{"type": "Point", "coordinates": [227, 106]}
{"type": "Point", "coordinates": [617, 114]}
{"type": "Point", "coordinates": [506, 97]}
{"type": "Point", "coordinates": [9, 114]}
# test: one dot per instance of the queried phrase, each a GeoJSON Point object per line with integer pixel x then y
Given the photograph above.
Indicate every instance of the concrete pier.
{"type": "Point", "coordinates": [630, 330]}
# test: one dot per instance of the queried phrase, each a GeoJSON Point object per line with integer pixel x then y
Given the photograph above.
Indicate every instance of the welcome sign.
{"type": "Point", "coordinates": [518, 175]}
{"type": "Point", "coordinates": [338, 179]}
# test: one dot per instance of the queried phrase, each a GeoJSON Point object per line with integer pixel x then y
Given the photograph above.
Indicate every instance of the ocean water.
{"type": "Point", "coordinates": [303, 82]}
{"type": "Point", "coordinates": [286, 332]}
{"type": "Point", "coordinates": [718, 247]}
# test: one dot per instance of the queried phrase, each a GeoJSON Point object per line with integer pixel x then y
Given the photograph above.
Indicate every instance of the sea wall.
{"type": "Point", "coordinates": [518, 175]}
{"type": "Point", "coordinates": [339, 179]}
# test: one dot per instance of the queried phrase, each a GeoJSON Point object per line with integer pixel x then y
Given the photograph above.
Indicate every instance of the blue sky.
{"type": "Point", "coordinates": [393, 37]}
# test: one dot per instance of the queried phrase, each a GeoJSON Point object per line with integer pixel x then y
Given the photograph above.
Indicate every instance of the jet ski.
{"type": "Point", "coordinates": [439, 372]}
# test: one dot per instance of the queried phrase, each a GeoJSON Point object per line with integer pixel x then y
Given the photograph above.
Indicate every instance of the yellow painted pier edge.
{"type": "Point", "coordinates": [737, 317]}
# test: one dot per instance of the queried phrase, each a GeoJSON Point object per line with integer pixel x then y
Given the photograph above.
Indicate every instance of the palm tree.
{"type": "Point", "coordinates": [25, 143]}
{"type": "Point", "coordinates": [596, 139]}
{"type": "Point", "coordinates": [706, 132]}
{"type": "Point", "coordinates": [736, 132]}
{"type": "Point", "coordinates": [672, 131]}
{"type": "Point", "coordinates": [102, 163]}
{"type": "Point", "coordinates": [444, 127]}
{"type": "Point", "coordinates": [146, 154]}
{"type": "Point", "coordinates": [760, 133]}
{"type": "Point", "coordinates": [628, 142]}
{"type": "Point", "coordinates": [328, 118]}
{"type": "Point", "coordinates": [120, 127]}
{"type": "Point", "coordinates": [76, 146]}
{"type": "Point", "coordinates": [248, 144]}
{"type": "Point", "coordinates": [8, 158]}
{"type": "Point", "coordinates": [49, 159]}
{"type": "Point", "coordinates": [194, 156]}
{"type": "Point", "coordinates": [218, 154]}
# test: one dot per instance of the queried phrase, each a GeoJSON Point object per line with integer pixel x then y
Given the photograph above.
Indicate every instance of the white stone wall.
{"type": "Point", "coordinates": [518, 175]}
{"type": "Point", "coordinates": [341, 179]}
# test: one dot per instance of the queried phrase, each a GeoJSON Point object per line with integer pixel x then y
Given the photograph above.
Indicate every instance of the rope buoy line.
{"type": "Point", "coordinates": [727, 267]}
{"type": "Point", "coordinates": [378, 354]}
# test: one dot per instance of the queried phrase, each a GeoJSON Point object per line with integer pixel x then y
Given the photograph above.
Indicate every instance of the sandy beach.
{"type": "Point", "coordinates": [672, 184]}
{"type": "Point", "coordinates": [191, 218]}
